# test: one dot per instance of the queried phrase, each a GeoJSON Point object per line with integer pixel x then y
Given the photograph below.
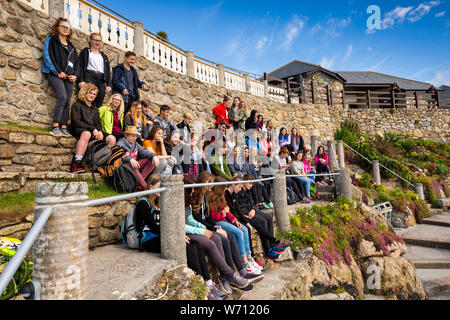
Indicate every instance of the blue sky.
{"type": "Point", "coordinates": [259, 36]}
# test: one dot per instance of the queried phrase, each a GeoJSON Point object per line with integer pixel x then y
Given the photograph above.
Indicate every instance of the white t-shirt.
{"type": "Point", "coordinates": [96, 62]}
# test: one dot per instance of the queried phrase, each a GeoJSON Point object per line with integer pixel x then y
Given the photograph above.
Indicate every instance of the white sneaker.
{"type": "Point", "coordinates": [257, 266]}
{"type": "Point", "coordinates": [252, 269]}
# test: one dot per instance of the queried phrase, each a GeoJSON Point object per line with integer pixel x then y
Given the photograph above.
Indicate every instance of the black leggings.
{"type": "Point", "coordinates": [263, 223]}
{"type": "Point", "coordinates": [231, 251]}
{"type": "Point", "coordinates": [196, 260]}
{"type": "Point", "coordinates": [259, 193]}
{"type": "Point", "coordinates": [322, 168]}
{"type": "Point", "coordinates": [63, 89]}
{"type": "Point", "coordinates": [98, 80]}
{"type": "Point", "coordinates": [296, 186]}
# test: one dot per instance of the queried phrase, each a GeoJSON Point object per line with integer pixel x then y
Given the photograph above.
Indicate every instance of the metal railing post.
{"type": "Point", "coordinates": [172, 219]}
{"type": "Point", "coordinates": [60, 254]}
{"type": "Point", "coordinates": [376, 172]}
{"type": "Point", "coordinates": [280, 201]}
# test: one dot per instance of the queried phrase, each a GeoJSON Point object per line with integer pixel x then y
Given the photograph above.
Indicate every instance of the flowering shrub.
{"type": "Point", "coordinates": [335, 230]}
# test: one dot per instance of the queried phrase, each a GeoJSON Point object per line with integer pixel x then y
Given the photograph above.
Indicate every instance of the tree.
{"type": "Point", "coordinates": [162, 35]}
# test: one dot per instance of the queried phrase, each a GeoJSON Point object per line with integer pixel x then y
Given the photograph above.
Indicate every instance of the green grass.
{"type": "Point", "coordinates": [14, 204]}
{"type": "Point", "coordinates": [15, 126]}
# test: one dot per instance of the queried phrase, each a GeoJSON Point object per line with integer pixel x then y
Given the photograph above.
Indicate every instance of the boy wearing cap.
{"type": "Point", "coordinates": [142, 161]}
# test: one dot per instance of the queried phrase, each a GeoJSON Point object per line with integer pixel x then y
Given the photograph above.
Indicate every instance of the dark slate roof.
{"type": "Point", "coordinates": [296, 67]}
{"type": "Point", "coordinates": [370, 77]}
{"type": "Point", "coordinates": [293, 68]}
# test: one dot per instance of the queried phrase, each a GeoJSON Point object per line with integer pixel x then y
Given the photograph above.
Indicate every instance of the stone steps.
{"type": "Point", "coordinates": [427, 235]}
{"type": "Point", "coordinates": [442, 219]}
{"type": "Point", "coordinates": [27, 181]}
{"type": "Point", "coordinates": [114, 268]}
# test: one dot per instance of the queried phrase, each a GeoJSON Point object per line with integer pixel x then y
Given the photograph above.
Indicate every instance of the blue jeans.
{"type": "Point", "coordinates": [312, 178]}
{"type": "Point", "coordinates": [241, 236]}
{"type": "Point", "coordinates": [306, 182]}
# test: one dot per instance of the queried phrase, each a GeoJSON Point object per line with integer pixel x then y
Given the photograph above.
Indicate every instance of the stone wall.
{"type": "Point", "coordinates": [418, 122]}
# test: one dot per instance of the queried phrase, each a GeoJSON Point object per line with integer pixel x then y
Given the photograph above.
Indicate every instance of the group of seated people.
{"type": "Point", "coordinates": [219, 221]}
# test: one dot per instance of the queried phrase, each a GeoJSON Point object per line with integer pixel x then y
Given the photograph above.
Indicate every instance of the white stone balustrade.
{"type": "Point", "coordinates": [257, 88]}
{"type": "Point", "coordinates": [40, 5]}
{"type": "Point", "coordinates": [163, 54]}
{"type": "Point", "coordinates": [205, 72]}
{"type": "Point", "coordinates": [119, 33]}
{"type": "Point", "coordinates": [88, 18]}
{"type": "Point", "coordinates": [234, 81]}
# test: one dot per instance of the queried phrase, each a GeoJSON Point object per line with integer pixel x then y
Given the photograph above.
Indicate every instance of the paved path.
{"type": "Point", "coordinates": [114, 268]}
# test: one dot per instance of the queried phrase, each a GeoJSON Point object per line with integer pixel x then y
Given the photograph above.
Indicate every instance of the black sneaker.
{"type": "Point", "coordinates": [282, 245]}
{"type": "Point", "coordinates": [76, 167]}
{"type": "Point", "coordinates": [245, 289]}
{"type": "Point", "coordinates": [251, 277]}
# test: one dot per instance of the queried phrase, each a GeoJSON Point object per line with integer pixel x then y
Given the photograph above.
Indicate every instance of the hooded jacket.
{"type": "Point", "coordinates": [58, 58]}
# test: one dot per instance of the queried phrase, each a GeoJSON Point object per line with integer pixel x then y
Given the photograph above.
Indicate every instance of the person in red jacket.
{"type": "Point", "coordinates": [221, 111]}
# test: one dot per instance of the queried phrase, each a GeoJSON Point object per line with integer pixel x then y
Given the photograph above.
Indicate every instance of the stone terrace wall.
{"type": "Point", "coordinates": [418, 122]}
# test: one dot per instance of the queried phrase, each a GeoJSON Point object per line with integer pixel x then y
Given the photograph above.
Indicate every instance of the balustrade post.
{"type": "Point", "coordinates": [190, 69]}
{"type": "Point", "coordinates": [221, 69]}
{"type": "Point", "coordinates": [376, 172]}
{"type": "Point", "coordinates": [60, 252]}
{"type": "Point", "coordinates": [172, 219]}
{"type": "Point", "coordinates": [340, 151]}
{"type": "Point", "coordinates": [138, 39]}
{"type": "Point", "coordinates": [280, 201]}
{"type": "Point", "coordinates": [266, 89]}
{"type": "Point", "coordinates": [248, 85]}
{"type": "Point", "coordinates": [56, 8]}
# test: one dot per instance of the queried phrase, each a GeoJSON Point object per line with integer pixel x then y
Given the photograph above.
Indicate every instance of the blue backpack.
{"type": "Point", "coordinates": [135, 230]}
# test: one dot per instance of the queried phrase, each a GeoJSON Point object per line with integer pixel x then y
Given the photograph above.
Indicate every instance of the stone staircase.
{"type": "Point", "coordinates": [429, 247]}
{"type": "Point", "coordinates": [326, 192]}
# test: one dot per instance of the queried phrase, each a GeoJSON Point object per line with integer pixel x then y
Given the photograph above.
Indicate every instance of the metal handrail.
{"type": "Point", "coordinates": [314, 175]}
{"type": "Point", "coordinates": [98, 202]}
{"type": "Point", "coordinates": [198, 185]}
{"type": "Point", "coordinates": [371, 162]}
{"type": "Point", "coordinates": [16, 261]}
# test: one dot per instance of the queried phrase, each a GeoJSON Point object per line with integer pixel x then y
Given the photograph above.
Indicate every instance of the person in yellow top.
{"type": "Point", "coordinates": [155, 143]}
{"type": "Point", "coordinates": [111, 116]}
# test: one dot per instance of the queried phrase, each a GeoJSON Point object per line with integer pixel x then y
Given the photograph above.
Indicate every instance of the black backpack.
{"type": "Point", "coordinates": [96, 155]}
{"type": "Point", "coordinates": [125, 180]}
{"type": "Point", "coordinates": [292, 197]}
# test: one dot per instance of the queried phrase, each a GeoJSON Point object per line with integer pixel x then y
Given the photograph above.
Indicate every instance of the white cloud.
{"type": "Point", "coordinates": [426, 70]}
{"type": "Point", "coordinates": [327, 63]}
{"type": "Point", "coordinates": [332, 28]}
{"type": "Point", "coordinates": [348, 53]}
{"type": "Point", "coordinates": [292, 31]}
{"type": "Point", "coordinates": [422, 10]}
{"type": "Point", "coordinates": [411, 13]}
{"type": "Point", "coordinates": [373, 68]}
{"type": "Point", "coordinates": [262, 43]}
{"type": "Point", "coordinates": [440, 14]}
{"type": "Point", "coordinates": [441, 78]}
